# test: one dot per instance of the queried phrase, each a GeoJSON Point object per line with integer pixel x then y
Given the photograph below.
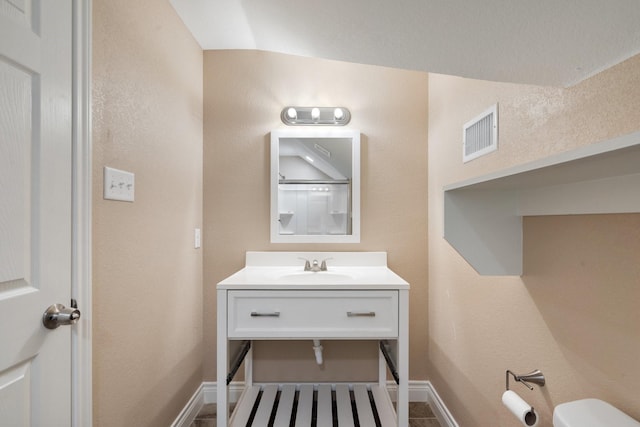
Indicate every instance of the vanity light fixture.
{"type": "Point", "coordinates": [292, 114]}
{"type": "Point", "coordinates": [327, 116]}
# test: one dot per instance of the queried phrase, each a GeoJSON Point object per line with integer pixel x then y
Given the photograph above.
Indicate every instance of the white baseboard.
{"type": "Point", "coordinates": [439, 408]}
{"type": "Point", "coordinates": [419, 391]}
{"type": "Point", "coordinates": [211, 391]}
{"type": "Point", "coordinates": [423, 391]}
{"type": "Point", "coordinates": [190, 411]}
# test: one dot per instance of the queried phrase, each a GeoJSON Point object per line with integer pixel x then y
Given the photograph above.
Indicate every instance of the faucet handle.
{"type": "Point", "coordinates": [323, 266]}
{"type": "Point", "coordinates": [307, 264]}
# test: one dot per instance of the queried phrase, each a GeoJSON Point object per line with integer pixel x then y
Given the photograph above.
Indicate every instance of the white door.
{"type": "Point", "coordinates": [35, 210]}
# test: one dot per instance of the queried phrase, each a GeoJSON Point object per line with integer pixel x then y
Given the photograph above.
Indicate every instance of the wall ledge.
{"type": "Point", "coordinates": [483, 215]}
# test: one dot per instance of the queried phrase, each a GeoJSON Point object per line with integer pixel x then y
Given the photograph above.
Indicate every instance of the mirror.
{"type": "Point", "coordinates": [315, 186]}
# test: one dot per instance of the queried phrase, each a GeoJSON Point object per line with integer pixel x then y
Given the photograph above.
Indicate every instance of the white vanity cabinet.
{"type": "Point", "coordinates": [369, 303]}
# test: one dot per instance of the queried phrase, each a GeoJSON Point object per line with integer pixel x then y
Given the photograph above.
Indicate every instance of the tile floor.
{"type": "Point", "coordinates": [420, 415]}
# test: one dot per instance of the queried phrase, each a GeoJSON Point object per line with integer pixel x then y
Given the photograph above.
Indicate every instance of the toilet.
{"type": "Point", "coordinates": [591, 413]}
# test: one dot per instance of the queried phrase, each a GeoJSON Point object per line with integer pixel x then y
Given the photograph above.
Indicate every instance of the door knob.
{"type": "Point", "coordinates": [58, 314]}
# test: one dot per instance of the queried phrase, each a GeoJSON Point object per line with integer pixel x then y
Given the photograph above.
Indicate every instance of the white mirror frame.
{"type": "Point", "coordinates": [354, 237]}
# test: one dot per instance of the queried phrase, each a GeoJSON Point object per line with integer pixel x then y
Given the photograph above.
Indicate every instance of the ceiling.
{"type": "Point", "coordinates": [546, 42]}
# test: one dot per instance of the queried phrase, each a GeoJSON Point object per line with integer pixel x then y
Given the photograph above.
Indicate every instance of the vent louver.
{"type": "Point", "coordinates": [480, 135]}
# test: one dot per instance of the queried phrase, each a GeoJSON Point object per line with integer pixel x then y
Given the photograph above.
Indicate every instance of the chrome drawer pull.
{"type": "Point", "coordinates": [361, 314]}
{"type": "Point", "coordinates": [272, 314]}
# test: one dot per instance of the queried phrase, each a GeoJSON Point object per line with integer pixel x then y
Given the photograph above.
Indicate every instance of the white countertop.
{"type": "Point", "coordinates": [285, 270]}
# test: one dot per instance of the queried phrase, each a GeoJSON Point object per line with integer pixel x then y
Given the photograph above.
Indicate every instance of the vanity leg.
{"type": "Point", "coordinates": [403, 359]}
{"type": "Point", "coordinates": [222, 402]}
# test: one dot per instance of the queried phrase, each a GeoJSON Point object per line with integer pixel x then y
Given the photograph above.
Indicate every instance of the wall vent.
{"type": "Point", "coordinates": [480, 135]}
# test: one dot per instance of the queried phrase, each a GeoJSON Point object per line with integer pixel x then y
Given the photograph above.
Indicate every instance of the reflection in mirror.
{"type": "Point", "coordinates": [315, 185]}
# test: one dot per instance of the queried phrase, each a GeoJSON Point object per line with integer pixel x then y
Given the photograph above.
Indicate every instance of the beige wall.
{"type": "Point", "coordinates": [244, 92]}
{"type": "Point", "coordinates": [147, 277]}
{"type": "Point", "coordinates": [574, 312]}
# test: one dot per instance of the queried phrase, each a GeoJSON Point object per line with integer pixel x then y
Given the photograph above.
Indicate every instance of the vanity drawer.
{"type": "Point", "coordinates": [312, 314]}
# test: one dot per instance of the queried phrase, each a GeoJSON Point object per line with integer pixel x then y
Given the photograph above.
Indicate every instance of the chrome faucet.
{"type": "Point", "coordinates": [313, 265]}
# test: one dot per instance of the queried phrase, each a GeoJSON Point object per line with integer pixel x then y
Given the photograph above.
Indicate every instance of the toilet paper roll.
{"type": "Point", "coordinates": [521, 409]}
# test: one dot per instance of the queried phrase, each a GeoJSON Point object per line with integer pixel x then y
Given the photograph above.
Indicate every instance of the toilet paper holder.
{"type": "Point", "coordinates": [535, 377]}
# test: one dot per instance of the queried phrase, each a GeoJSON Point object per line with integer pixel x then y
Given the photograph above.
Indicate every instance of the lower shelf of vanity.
{"type": "Point", "coordinates": [320, 405]}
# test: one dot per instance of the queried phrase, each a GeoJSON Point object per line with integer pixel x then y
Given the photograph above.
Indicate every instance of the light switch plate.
{"type": "Point", "coordinates": [118, 185]}
{"type": "Point", "coordinates": [197, 241]}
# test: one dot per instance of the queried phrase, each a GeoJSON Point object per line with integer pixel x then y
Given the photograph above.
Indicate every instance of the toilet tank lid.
{"type": "Point", "coordinates": [591, 413]}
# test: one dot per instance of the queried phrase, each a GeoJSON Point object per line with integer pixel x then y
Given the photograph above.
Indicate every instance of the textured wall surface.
{"type": "Point", "coordinates": [573, 314]}
{"type": "Point", "coordinates": [244, 92]}
{"type": "Point", "coordinates": [147, 276]}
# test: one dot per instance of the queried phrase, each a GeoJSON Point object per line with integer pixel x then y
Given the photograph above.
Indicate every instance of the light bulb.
{"type": "Point", "coordinates": [338, 113]}
{"type": "Point", "coordinates": [292, 113]}
{"type": "Point", "coordinates": [315, 113]}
